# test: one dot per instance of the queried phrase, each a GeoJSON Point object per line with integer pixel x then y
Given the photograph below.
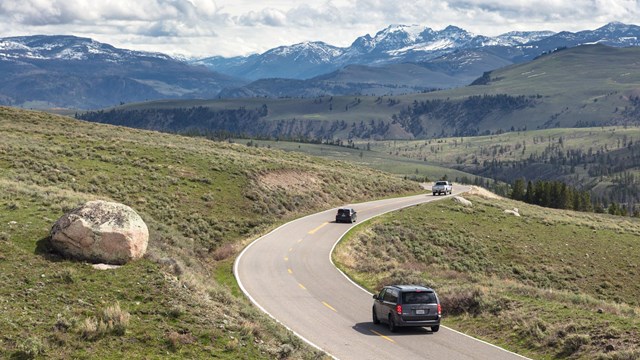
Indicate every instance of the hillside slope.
{"type": "Point", "coordinates": [202, 201]}
{"type": "Point", "coordinates": [548, 284]}
{"type": "Point", "coordinates": [591, 85]}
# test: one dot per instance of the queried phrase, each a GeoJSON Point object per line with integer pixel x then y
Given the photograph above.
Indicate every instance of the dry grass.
{"type": "Point", "coordinates": [112, 320]}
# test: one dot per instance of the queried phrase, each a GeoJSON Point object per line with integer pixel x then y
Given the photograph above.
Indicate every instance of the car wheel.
{"type": "Point", "coordinates": [375, 316]}
{"type": "Point", "coordinates": [392, 324]}
{"type": "Point", "coordinates": [435, 328]}
{"type": "Point", "coordinates": [434, 194]}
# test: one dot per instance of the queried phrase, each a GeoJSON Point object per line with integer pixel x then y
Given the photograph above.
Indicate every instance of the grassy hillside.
{"type": "Point", "coordinates": [202, 201]}
{"type": "Point", "coordinates": [604, 160]}
{"type": "Point", "coordinates": [377, 158]}
{"type": "Point", "coordinates": [584, 86]}
{"type": "Point", "coordinates": [549, 284]}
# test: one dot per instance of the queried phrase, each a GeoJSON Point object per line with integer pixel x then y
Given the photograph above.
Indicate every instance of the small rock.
{"type": "Point", "coordinates": [600, 311]}
{"type": "Point", "coordinates": [513, 212]}
{"type": "Point", "coordinates": [104, 266]}
{"type": "Point", "coordinates": [609, 348]}
{"type": "Point", "coordinates": [462, 201]}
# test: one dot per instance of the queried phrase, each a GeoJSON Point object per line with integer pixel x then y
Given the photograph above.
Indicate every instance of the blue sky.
{"type": "Point", "coordinates": [239, 27]}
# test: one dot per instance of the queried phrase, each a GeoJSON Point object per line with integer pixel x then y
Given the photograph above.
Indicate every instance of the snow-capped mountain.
{"type": "Point", "coordinates": [42, 47]}
{"type": "Point", "coordinates": [411, 43]}
{"type": "Point", "coordinates": [69, 71]}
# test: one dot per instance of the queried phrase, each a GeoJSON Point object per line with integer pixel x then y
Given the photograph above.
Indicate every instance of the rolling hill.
{"type": "Point", "coordinates": [591, 85]}
{"type": "Point", "coordinates": [548, 284]}
{"type": "Point", "coordinates": [201, 200]}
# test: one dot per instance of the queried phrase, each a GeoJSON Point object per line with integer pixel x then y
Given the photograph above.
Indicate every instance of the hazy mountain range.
{"type": "Point", "coordinates": [73, 72]}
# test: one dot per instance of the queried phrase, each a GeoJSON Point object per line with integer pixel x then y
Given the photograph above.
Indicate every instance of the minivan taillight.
{"type": "Point", "coordinates": [399, 309]}
{"type": "Point", "coordinates": [439, 309]}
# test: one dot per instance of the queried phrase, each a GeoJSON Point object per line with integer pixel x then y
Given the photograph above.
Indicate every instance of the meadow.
{"type": "Point", "coordinates": [549, 284]}
{"type": "Point", "coordinates": [202, 201]}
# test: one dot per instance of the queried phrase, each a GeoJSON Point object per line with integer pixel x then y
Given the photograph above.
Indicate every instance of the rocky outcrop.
{"type": "Point", "coordinates": [101, 232]}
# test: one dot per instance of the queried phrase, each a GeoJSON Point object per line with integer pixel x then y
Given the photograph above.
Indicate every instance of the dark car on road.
{"type": "Point", "coordinates": [407, 305]}
{"type": "Point", "coordinates": [346, 215]}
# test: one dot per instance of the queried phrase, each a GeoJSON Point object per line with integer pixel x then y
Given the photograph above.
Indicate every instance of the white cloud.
{"type": "Point", "coordinates": [232, 27]}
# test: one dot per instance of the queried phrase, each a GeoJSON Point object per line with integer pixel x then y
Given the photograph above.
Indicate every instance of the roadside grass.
{"type": "Point", "coordinates": [549, 284]}
{"type": "Point", "coordinates": [202, 201]}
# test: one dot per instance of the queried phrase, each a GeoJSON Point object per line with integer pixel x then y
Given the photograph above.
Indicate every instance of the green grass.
{"type": "Point", "coordinates": [202, 201]}
{"type": "Point", "coordinates": [379, 158]}
{"type": "Point", "coordinates": [517, 146]}
{"type": "Point", "coordinates": [549, 284]}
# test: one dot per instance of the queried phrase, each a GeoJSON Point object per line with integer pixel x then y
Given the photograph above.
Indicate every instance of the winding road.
{"type": "Point", "coordinates": [288, 274]}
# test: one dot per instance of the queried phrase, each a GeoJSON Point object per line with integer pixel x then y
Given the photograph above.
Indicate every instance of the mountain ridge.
{"type": "Point", "coordinates": [411, 43]}
{"type": "Point", "coordinates": [64, 71]}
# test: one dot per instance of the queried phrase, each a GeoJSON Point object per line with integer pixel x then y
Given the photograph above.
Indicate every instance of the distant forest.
{"type": "Point", "coordinates": [461, 117]}
{"type": "Point", "coordinates": [578, 169]}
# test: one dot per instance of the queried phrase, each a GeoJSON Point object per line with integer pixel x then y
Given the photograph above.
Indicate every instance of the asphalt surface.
{"type": "Point", "coordinates": [288, 274]}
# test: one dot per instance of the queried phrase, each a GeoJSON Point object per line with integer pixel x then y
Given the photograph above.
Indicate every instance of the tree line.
{"type": "Point", "coordinates": [558, 195]}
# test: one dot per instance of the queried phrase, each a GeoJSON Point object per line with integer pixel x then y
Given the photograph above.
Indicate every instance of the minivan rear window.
{"type": "Point", "coordinates": [421, 297]}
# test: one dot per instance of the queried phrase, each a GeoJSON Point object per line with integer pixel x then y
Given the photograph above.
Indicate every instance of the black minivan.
{"type": "Point", "coordinates": [407, 305]}
{"type": "Point", "coordinates": [346, 215]}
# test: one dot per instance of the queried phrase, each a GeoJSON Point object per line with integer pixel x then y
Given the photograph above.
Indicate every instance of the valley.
{"type": "Point", "coordinates": [217, 152]}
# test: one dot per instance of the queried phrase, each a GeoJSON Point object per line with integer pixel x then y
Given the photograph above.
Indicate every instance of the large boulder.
{"type": "Point", "coordinates": [101, 232]}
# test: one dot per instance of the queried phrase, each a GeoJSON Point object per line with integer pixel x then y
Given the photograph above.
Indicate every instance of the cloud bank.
{"type": "Point", "coordinates": [226, 27]}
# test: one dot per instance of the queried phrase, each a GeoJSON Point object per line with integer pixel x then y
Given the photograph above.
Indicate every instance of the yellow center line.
{"type": "Point", "coordinates": [382, 336]}
{"type": "Point", "coordinates": [302, 287]}
{"type": "Point", "coordinates": [318, 228]}
{"type": "Point", "coordinates": [329, 306]}
{"type": "Point", "coordinates": [286, 258]}
{"type": "Point", "coordinates": [299, 241]}
{"type": "Point", "coordinates": [290, 249]}
{"type": "Point", "coordinates": [290, 271]}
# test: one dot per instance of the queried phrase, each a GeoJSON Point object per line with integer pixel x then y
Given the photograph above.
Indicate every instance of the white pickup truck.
{"type": "Point", "coordinates": [441, 187]}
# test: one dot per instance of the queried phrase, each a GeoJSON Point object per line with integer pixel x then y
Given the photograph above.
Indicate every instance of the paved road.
{"type": "Point", "coordinates": [288, 273]}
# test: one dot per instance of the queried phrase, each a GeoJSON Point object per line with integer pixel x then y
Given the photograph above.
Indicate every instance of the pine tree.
{"type": "Point", "coordinates": [518, 191]}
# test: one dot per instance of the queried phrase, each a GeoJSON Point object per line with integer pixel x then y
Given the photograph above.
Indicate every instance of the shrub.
{"type": "Point", "coordinates": [116, 319]}
{"type": "Point", "coordinates": [31, 347]}
{"type": "Point", "coordinates": [285, 350]}
{"type": "Point", "coordinates": [405, 276]}
{"type": "Point", "coordinates": [462, 301]}
{"type": "Point", "coordinates": [67, 275]}
{"type": "Point", "coordinates": [573, 343]}
{"type": "Point", "coordinates": [176, 311]}
{"type": "Point", "coordinates": [112, 320]}
{"type": "Point", "coordinates": [176, 339]}
{"type": "Point", "coordinates": [90, 329]}
{"type": "Point", "coordinates": [620, 355]}
{"type": "Point", "coordinates": [224, 252]}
